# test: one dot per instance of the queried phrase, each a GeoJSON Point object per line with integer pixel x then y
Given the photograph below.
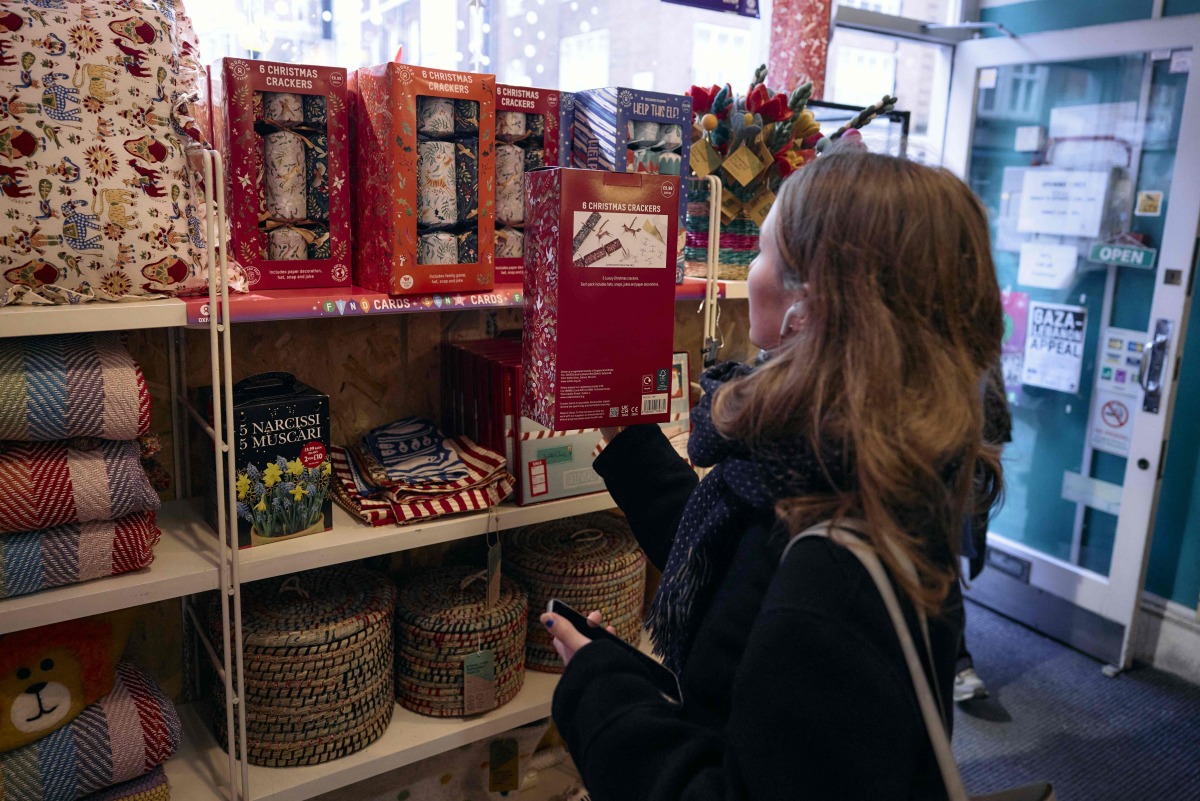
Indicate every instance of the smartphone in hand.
{"type": "Point", "coordinates": [665, 680]}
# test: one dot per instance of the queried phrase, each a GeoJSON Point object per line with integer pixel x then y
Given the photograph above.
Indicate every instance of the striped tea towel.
{"type": "Point", "coordinates": [151, 787]}
{"type": "Point", "coordinates": [491, 484]}
{"type": "Point", "coordinates": [37, 560]}
{"type": "Point", "coordinates": [74, 385]}
{"type": "Point", "coordinates": [44, 484]}
{"type": "Point", "coordinates": [413, 451]}
{"type": "Point", "coordinates": [125, 734]}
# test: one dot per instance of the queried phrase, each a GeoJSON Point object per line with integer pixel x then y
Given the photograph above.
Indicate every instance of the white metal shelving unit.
{"type": "Point", "coordinates": [190, 558]}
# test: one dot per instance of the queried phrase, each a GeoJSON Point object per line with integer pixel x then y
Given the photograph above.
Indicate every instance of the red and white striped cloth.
{"type": "Point", "coordinates": [487, 484]}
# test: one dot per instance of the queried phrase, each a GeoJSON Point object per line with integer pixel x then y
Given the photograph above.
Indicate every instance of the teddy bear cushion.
{"type": "Point", "coordinates": [93, 123]}
{"type": "Point", "coordinates": [125, 734]}
{"type": "Point", "coordinates": [48, 675]}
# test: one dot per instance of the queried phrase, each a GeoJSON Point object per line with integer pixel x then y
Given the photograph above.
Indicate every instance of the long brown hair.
{"type": "Point", "coordinates": [903, 320]}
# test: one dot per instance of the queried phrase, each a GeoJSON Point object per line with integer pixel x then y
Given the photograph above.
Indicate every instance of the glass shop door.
{"type": "Point", "coordinates": [1071, 140]}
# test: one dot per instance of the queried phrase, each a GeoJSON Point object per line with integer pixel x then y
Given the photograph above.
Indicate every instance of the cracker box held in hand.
{"type": "Point", "coordinates": [282, 478]}
{"type": "Point", "coordinates": [529, 134]}
{"type": "Point", "coordinates": [599, 297]}
{"type": "Point", "coordinates": [424, 179]}
{"type": "Point", "coordinates": [283, 130]}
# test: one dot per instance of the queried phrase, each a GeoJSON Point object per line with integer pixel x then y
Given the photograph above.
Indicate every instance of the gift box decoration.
{"type": "Point", "coordinates": [283, 131]}
{"type": "Point", "coordinates": [444, 626]}
{"type": "Point", "coordinates": [318, 657]}
{"type": "Point", "coordinates": [599, 297]}
{"type": "Point", "coordinates": [424, 159]}
{"type": "Point", "coordinates": [529, 126]}
{"type": "Point", "coordinates": [588, 562]}
{"type": "Point", "coordinates": [283, 473]}
{"type": "Point", "coordinates": [99, 197]}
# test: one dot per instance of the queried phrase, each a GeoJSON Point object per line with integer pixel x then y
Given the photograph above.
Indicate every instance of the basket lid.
{"type": "Point", "coordinates": [598, 544]}
{"type": "Point", "coordinates": [453, 599]}
{"type": "Point", "coordinates": [313, 608]}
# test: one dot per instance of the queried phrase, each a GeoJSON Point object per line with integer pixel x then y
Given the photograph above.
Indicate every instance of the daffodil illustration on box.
{"type": "Point", "coordinates": [283, 500]}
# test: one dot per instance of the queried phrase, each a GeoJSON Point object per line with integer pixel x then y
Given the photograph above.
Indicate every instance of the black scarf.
{"type": "Point", "coordinates": [743, 483]}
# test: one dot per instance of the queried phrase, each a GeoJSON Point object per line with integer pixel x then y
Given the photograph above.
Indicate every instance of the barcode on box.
{"type": "Point", "coordinates": [655, 404]}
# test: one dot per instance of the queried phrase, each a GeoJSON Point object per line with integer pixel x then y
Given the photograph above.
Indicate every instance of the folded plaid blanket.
{"type": "Point", "coordinates": [44, 484]}
{"type": "Point", "coordinates": [74, 385]}
{"type": "Point", "coordinates": [37, 560]}
{"type": "Point", "coordinates": [487, 484]}
{"type": "Point", "coordinates": [125, 734]}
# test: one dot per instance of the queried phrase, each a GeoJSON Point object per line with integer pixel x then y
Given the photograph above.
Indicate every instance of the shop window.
{"type": "Point", "coordinates": [567, 44]}
{"type": "Point", "coordinates": [924, 10]}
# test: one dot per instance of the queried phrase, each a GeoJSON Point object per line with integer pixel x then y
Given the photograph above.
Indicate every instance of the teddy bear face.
{"type": "Point", "coordinates": [41, 694]}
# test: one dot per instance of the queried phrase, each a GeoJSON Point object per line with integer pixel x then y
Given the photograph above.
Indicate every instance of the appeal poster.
{"type": "Point", "coordinates": [1054, 343]}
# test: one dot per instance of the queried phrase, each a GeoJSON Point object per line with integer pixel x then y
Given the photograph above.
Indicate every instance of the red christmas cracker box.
{"type": "Point", "coordinates": [424, 179]}
{"type": "Point", "coordinates": [529, 135]}
{"type": "Point", "coordinates": [599, 297]}
{"type": "Point", "coordinates": [283, 131]}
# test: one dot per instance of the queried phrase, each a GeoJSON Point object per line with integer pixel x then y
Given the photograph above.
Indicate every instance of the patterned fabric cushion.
{"type": "Point", "coordinates": [78, 385]}
{"type": "Point", "coordinates": [44, 484]}
{"type": "Point", "coordinates": [125, 734]}
{"type": "Point", "coordinates": [37, 560]}
{"type": "Point", "coordinates": [92, 163]}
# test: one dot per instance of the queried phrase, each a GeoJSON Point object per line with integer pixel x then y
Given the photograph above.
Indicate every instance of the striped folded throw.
{"type": "Point", "coordinates": [31, 561]}
{"type": "Point", "coordinates": [151, 787]}
{"type": "Point", "coordinates": [74, 385]}
{"type": "Point", "coordinates": [487, 484]}
{"type": "Point", "coordinates": [44, 484]}
{"type": "Point", "coordinates": [124, 735]}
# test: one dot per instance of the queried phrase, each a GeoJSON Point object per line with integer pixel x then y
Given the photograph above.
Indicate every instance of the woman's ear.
{"type": "Point", "coordinates": [796, 316]}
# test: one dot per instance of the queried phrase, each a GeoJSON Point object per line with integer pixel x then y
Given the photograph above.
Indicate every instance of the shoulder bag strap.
{"type": "Point", "coordinates": [933, 721]}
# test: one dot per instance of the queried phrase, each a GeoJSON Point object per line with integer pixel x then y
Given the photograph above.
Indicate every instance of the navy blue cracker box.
{"type": "Point", "coordinates": [631, 130]}
{"type": "Point", "coordinates": [283, 479]}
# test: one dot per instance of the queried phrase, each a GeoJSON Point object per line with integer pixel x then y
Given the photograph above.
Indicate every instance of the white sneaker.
{"type": "Point", "coordinates": [968, 685]}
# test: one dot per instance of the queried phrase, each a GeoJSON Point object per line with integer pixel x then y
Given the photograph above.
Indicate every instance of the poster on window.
{"type": "Point", "coordinates": [1054, 342]}
{"type": "Point", "coordinates": [1012, 351]}
{"type": "Point", "coordinates": [1118, 394]}
{"type": "Point", "coordinates": [744, 8]}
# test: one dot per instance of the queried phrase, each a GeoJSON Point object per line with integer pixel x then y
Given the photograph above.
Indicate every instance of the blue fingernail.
{"type": "Point", "coordinates": [549, 624]}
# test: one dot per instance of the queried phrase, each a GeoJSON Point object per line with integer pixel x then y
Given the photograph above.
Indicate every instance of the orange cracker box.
{"type": "Point", "coordinates": [424, 179]}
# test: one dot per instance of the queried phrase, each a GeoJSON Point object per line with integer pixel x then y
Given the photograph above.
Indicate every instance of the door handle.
{"type": "Point", "coordinates": [1154, 357]}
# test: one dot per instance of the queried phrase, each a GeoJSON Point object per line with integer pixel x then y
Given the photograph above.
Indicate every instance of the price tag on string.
{"type": "Point", "coordinates": [504, 774]}
{"type": "Point", "coordinates": [479, 682]}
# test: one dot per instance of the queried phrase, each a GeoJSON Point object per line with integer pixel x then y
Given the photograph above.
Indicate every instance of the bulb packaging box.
{"type": "Point", "coordinates": [283, 133]}
{"type": "Point", "coordinates": [532, 131]}
{"type": "Point", "coordinates": [282, 476]}
{"type": "Point", "coordinates": [425, 179]}
{"type": "Point", "coordinates": [599, 297]}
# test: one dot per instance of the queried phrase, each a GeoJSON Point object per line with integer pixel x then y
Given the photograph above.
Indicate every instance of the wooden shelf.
{"type": "Point", "coordinates": [22, 321]}
{"type": "Point", "coordinates": [351, 539]}
{"type": "Point", "coordinates": [185, 562]}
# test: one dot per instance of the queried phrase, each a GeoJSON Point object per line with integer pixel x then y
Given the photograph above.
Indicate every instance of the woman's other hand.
{"type": "Point", "coordinates": [567, 639]}
{"type": "Point", "coordinates": [610, 432]}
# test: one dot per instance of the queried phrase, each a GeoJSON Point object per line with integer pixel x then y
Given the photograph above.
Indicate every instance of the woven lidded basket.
{"type": "Point", "coordinates": [317, 659]}
{"type": "Point", "coordinates": [441, 618]}
{"type": "Point", "coordinates": [589, 562]}
{"type": "Point", "coordinates": [738, 243]}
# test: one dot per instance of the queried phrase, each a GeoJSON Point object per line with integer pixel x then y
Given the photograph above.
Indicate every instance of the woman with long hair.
{"type": "Point", "coordinates": [876, 299]}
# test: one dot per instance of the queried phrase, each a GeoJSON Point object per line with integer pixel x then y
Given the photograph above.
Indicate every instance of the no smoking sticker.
{"type": "Point", "coordinates": [1115, 414]}
{"type": "Point", "coordinates": [1111, 422]}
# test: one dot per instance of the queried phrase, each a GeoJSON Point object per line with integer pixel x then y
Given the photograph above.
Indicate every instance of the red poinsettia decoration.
{"type": "Point", "coordinates": [772, 109]}
{"type": "Point", "coordinates": [702, 99]}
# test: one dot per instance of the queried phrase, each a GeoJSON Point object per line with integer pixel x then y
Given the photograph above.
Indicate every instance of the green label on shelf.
{"type": "Point", "coordinates": [558, 455]}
